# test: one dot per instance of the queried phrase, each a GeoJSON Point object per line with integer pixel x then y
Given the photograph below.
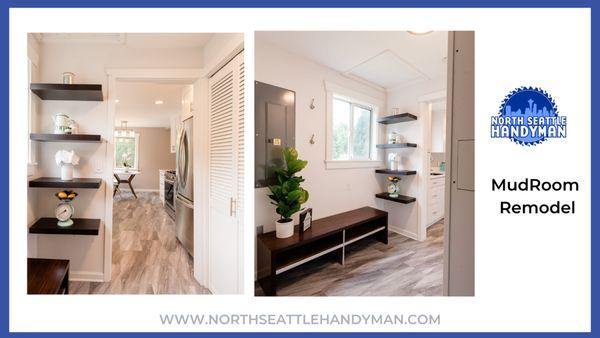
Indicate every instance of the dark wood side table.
{"type": "Point", "coordinates": [47, 276]}
{"type": "Point", "coordinates": [326, 236]}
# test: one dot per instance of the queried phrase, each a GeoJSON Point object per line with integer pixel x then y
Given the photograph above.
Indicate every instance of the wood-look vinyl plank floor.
{"type": "Point", "coordinates": [146, 257]}
{"type": "Point", "coordinates": [404, 267]}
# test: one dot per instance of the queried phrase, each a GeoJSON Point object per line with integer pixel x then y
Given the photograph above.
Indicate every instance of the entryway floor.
{"type": "Point", "coordinates": [404, 267]}
{"type": "Point", "coordinates": [146, 256]}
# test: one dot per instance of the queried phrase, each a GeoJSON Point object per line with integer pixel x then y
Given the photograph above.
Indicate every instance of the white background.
{"type": "Point", "coordinates": [532, 272]}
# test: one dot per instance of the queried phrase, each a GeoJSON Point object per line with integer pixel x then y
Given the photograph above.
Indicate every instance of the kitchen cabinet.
{"type": "Point", "coordinates": [187, 102]}
{"type": "Point", "coordinates": [175, 129]}
{"type": "Point", "coordinates": [438, 131]}
{"type": "Point", "coordinates": [435, 198]}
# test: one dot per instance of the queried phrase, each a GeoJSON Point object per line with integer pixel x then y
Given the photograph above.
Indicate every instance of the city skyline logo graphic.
{"type": "Point", "coordinates": [528, 116]}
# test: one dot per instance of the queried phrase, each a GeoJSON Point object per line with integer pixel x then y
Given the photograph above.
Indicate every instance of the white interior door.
{"type": "Point", "coordinates": [226, 151]}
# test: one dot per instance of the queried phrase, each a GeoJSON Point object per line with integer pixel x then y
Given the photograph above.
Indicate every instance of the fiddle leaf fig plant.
{"type": "Point", "coordinates": [287, 195]}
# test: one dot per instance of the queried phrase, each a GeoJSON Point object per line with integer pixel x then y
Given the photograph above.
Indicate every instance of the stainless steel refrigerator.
{"type": "Point", "coordinates": [184, 202]}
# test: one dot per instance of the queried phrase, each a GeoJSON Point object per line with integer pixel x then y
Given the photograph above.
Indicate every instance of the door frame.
{"type": "Point", "coordinates": [425, 103]}
{"type": "Point", "coordinates": [142, 74]}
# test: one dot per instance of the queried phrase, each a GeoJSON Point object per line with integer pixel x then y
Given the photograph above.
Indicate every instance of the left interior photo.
{"type": "Point", "coordinates": [135, 164]}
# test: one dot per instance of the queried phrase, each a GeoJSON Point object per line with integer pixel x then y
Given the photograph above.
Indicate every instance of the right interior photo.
{"type": "Point", "coordinates": [364, 163]}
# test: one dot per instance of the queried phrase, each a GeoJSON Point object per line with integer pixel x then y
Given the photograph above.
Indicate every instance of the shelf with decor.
{"type": "Point", "coordinates": [67, 92]}
{"type": "Point", "coordinates": [396, 145]}
{"type": "Point", "coordinates": [396, 172]}
{"type": "Point", "coordinates": [80, 226]}
{"type": "Point", "coordinates": [75, 183]}
{"type": "Point", "coordinates": [43, 137]}
{"type": "Point", "coordinates": [404, 117]}
{"type": "Point", "coordinates": [399, 199]}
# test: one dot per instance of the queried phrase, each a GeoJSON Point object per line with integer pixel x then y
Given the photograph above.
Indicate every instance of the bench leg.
{"type": "Point", "coordinates": [269, 285]}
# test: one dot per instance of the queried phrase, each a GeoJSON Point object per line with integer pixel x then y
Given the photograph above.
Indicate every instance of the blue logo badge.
{"type": "Point", "coordinates": [528, 116]}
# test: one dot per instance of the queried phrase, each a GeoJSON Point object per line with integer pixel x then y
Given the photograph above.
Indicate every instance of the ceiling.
{"type": "Point", "coordinates": [137, 103]}
{"type": "Point", "coordinates": [137, 40]}
{"type": "Point", "coordinates": [386, 60]}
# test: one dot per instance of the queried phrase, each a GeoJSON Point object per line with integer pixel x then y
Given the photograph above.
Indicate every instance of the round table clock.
{"type": "Point", "coordinates": [63, 212]}
{"type": "Point", "coordinates": [393, 187]}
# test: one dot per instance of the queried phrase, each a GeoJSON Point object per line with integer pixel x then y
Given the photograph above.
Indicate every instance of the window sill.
{"type": "Point", "coordinates": [332, 164]}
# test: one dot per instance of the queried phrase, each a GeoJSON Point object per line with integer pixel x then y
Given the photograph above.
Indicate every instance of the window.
{"type": "Point", "coordinates": [126, 152]}
{"type": "Point", "coordinates": [351, 130]}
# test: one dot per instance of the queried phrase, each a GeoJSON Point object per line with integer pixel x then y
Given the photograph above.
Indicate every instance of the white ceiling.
{"type": "Point", "coordinates": [385, 59]}
{"type": "Point", "coordinates": [136, 103]}
{"type": "Point", "coordinates": [137, 40]}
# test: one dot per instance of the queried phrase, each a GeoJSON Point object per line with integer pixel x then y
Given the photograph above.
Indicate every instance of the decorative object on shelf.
{"type": "Point", "coordinates": [312, 104]}
{"type": "Point", "coordinates": [287, 195]}
{"type": "Point", "coordinates": [66, 160]}
{"type": "Point", "coordinates": [73, 127]}
{"type": "Point", "coordinates": [68, 77]}
{"type": "Point", "coordinates": [62, 124]}
{"type": "Point", "coordinates": [393, 187]}
{"type": "Point", "coordinates": [443, 166]}
{"type": "Point", "coordinates": [305, 220]}
{"type": "Point", "coordinates": [393, 138]}
{"type": "Point", "coordinates": [64, 210]}
{"type": "Point", "coordinates": [393, 161]}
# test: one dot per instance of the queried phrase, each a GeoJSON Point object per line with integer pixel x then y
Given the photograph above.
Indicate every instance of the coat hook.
{"type": "Point", "coordinates": [312, 104]}
{"type": "Point", "coordinates": [312, 139]}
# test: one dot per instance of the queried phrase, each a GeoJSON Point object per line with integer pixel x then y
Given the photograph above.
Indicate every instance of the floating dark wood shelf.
{"type": "Point", "coordinates": [396, 145]}
{"type": "Point", "coordinates": [400, 199]}
{"type": "Point", "coordinates": [56, 182]}
{"type": "Point", "coordinates": [67, 92]}
{"type": "Point", "coordinates": [65, 137]}
{"type": "Point", "coordinates": [81, 226]}
{"type": "Point", "coordinates": [404, 117]}
{"type": "Point", "coordinates": [396, 172]}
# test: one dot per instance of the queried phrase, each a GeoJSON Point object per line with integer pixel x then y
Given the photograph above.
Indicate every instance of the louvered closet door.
{"type": "Point", "coordinates": [226, 113]}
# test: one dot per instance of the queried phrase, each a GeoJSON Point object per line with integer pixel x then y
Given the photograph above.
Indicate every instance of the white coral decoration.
{"type": "Point", "coordinates": [66, 157]}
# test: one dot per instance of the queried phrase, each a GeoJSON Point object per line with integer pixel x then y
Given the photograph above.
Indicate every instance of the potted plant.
{"type": "Point", "coordinates": [287, 195]}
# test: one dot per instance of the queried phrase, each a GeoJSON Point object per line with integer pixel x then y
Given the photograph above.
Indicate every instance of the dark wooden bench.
{"type": "Point", "coordinates": [326, 236]}
{"type": "Point", "coordinates": [47, 276]}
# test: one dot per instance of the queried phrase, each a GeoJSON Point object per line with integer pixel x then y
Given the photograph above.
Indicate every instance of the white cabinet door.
{"type": "Point", "coordinates": [225, 170]}
{"type": "Point", "coordinates": [187, 102]}
{"type": "Point", "coordinates": [175, 129]}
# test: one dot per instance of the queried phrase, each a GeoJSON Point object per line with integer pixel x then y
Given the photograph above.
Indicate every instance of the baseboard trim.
{"type": "Point", "coordinates": [405, 233]}
{"type": "Point", "coordinates": [86, 276]}
{"type": "Point", "coordinates": [140, 190]}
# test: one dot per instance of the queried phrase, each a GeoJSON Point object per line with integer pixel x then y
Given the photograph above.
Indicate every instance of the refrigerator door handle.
{"type": "Point", "coordinates": [185, 202]}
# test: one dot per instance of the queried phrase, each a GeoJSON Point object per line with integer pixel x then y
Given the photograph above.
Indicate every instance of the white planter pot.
{"type": "Point", "coordinates": [285, 229]}
{"type": "Point", "coordinates": [66, 172]}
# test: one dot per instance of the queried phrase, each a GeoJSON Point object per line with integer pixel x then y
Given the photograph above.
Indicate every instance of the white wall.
{"type": "Point", "coordinates": [331, 191]}
{"type": "Point", "coordinates": [220, 49]}
{"type": "Point", "coordinates": [33, 51]}
{"type": "Point", "coordinates": [88, 62]}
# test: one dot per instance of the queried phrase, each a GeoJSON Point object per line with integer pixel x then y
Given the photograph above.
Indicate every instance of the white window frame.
{"type": "Point", "coordinates": [136, 160]}
{"type": "Point", "coordinates": [363, 100]}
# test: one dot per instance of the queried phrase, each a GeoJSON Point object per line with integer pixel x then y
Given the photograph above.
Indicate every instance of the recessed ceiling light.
{"type": "Point", "coordinates": [419, 32]}
{"type": "Point", "coordinates": [116, 100]}
{"type": "Point", "coordinates": [158, 102]}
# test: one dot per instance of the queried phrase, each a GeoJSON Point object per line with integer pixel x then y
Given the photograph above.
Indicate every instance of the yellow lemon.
{"type": "Point", "coordinates": [62, 194]}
